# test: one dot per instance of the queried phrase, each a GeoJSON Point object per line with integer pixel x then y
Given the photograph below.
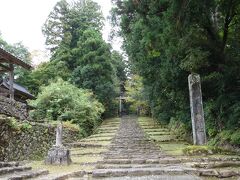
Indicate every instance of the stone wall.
{"type": "Point", "coordinates": [28, 140]}
{"type": "Point", "coordinates": [13, 108]}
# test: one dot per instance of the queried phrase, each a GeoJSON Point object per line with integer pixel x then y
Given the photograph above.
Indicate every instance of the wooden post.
{"type": "Point", "coordinates": [197, 114]}
{"type": "Point", "coordinates": [11, 79]}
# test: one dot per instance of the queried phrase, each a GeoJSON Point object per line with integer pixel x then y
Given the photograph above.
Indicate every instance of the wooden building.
{"type": "Point", "coordinates": [8, 89]}
{"type": "Point", "coordinates": [21, 94]}
{"type": "Point", "coordinates": [7, 63]}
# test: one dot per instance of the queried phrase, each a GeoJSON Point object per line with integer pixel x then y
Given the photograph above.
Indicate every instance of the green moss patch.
{"type": "Point", "coordinates": [104, 138]}
{"type": "Point", "coordinates": [36, 165]}
{"type": "Point", "coordinates": [201, 150]}
{"type": "Point", "coordinates": [173, 148]}
{"type": "Point", "coordinates": [158, 133]}
{"type": "Point", "coordinates": [85, 159]}
{"type": "Point", "coordinates": [155, 130]}
{"type": "Point", "coordinates": [103, 134]}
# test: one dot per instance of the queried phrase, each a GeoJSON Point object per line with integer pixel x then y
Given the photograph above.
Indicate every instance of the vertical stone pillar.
{"type": "Point", "coordinates": [197, 114]}
{"type": "Point", "coordinates": [58, 154]}
{"type": "Point", "coordinates": [59, 133]}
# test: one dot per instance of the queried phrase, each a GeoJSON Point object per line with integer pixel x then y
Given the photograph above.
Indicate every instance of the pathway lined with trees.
{"type": "Point", "coordinates": [85, 81]}
{"type": "Point", "coordinates": [131, 147]}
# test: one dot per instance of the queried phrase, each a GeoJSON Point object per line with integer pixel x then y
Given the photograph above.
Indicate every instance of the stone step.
{"type": "Point", "coordinates": [9, 164]}
{"type": "Point", "coordinates": [209, 159]}
{"type": "Point", "coordinates": [134, 150]}
{"type": "Point", "coordinates": [133, 156]}
{"type": "Point", "coordinates": [7, 170]}
{"type": "Point", "coordinates": [156, 130]}
{"type": "Point", "coordinates": [85, 145]}
{"type": "Point", "coordinates": [61, 176]}
{"type": "Point", "coordinates": [99, 136]}
{"type": "Point", "coordinates": [157, 177]}
{"type": "Point", "coordinates": [159, 133]}
{"type": "Point", "coordinates": [150, 127]}
{"type": "Point", "coordinates": [219, 173]}
{"type": "Point", "coordinates": [130, 148]}
{"type": "Point", "coordinates": [122, 166]}
{"type": "Point", "coordinates": [100, 173]}
{"type": "Point", "coordinates": [195, 162]}
{"type": "Point", "coordinates": [87, 154]}
{"type": "Point", "coordinates": [142, 161]}
{"type": "Point", "coordinates": [134, 145]}
{"type": "Point", "coordinates": [171, 170]}
{"type": "Point", "coordinates": [95, 141]}
{"type": "Point", "coordinates": [86, 163]}
{"type": "Point", "coordinates": [24, 175]}
{"type": "Point", "coordinates": [220, 164]}
{"type": "Point", "coordinates": [126, 140]}
{"type": "Point", "coordinates": [168, 140]}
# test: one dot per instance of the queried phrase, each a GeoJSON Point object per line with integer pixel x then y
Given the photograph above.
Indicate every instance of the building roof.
{"type": "Point", "coordinates": [17, 87]}
{"type": "Point", "coordinates": [6, 57]}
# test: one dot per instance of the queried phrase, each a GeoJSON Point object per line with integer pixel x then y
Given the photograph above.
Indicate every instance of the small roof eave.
{"type": "Point", "coordinates": [9, 58]}
{"type": "Point", "coordinates": [17, 87]}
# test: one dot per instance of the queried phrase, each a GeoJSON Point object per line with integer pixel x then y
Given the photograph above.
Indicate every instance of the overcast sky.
{"type": "Point", "coordinates": [21, 20]}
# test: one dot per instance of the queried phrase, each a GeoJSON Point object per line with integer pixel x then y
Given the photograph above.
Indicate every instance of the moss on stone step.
{"type": "Point", "coordinates": [204, 150]}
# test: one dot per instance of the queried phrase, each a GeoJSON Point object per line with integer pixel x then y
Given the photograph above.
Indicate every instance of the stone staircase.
{"type": "Point", "coordinates": [16, 171]}
{"type": "Point", "coordinates": [130, 149]}
{"type": "Point", "coordinates": [133, 154]}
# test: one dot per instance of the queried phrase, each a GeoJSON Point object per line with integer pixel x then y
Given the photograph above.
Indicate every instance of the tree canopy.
{"type": "Point", "coordinates": [168, 40]}
{"type": "Point", "coordinates": [79, 54]}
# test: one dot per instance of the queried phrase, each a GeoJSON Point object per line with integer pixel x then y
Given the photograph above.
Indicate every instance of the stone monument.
{"type": "Point", "coordinates": [197, 114]}
{"type": "Point", "coordinates": [58, 154]}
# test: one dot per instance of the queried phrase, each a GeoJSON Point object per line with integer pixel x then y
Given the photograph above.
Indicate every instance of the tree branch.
{"type": "Point", "coordinates": [229, 16]}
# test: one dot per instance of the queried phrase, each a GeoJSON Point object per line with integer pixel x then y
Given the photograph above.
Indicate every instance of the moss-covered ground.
{"type": "Point", "coordinates": [167, 142]}
{"type": "Point", "coordinates": [171, 144]}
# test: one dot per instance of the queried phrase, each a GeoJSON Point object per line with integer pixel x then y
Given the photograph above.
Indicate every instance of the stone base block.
{"type": "Point", "coordinates": [58, 155]}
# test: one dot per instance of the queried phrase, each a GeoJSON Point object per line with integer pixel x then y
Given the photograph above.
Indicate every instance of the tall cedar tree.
{"type": "Point", "coordinates": [167, 40]}
{"type": "Point", "coordinates": [73, 34]}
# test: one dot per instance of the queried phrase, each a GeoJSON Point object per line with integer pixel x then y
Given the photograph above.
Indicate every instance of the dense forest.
{"type": "Point", "coordinates": [164, 41]}
{"type": "Point", "coordinates": [168, 40]}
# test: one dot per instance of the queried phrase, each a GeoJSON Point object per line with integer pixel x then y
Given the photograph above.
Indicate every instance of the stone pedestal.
{"type": "Point", "coordinates": [197, 114]}
{"type": "Point", "coordinates": [58, 154]}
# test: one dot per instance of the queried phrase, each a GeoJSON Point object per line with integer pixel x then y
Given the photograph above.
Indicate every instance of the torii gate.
{"type": "Point", "coordinates": [120, 98]}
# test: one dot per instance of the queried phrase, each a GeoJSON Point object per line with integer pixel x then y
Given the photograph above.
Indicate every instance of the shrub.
{"type": "Point", "coordinates": [235, 137]}
{"type": "Point", "coordinates": [63, 101]}
{"type": "Point", "coordinates": [226, 137]}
